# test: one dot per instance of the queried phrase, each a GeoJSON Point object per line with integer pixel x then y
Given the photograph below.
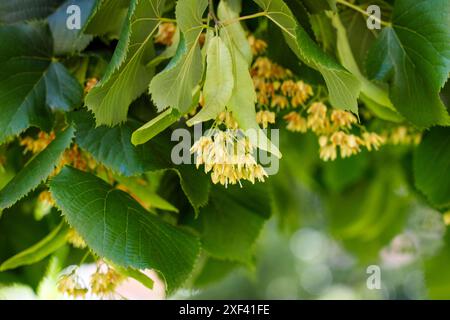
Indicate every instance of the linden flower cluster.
{"type": "Point", "coordinates": [72, 284]}
{"type": "Point", "coordinates": [229, 158]}
{"type": "Point", "coordinates": [103, 283]}
{"type": "Point", "coordinates": [105, 280]}
{"type": "Point", "coordinates": [403, 135]}
{"type": "Point", "coordinates": [333, 130]}
{"type": "Point", "coordinates": [275, 87]}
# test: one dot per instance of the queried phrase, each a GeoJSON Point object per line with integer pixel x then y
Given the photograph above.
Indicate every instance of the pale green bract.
{"type": "Point", "coordinates": [175, 85]}
{"type": "Point", "coordinates": [227, 11]}
{"type": "Point", "coordinates": [219, 82]}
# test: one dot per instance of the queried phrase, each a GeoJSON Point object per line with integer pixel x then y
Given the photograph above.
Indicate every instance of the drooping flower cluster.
{"type": "Point", "coordinates": [403, 135]}
{"type": "Point", "coordinates": [72, 284]}
{"type": "Point", "coordinates": [276, 87]}
{"type": "Point", "coordinates": [335, 130]}
{"type": "Point", "coordinates": [103, 282]}
{"type": "Point", "coordinates": [229, 157]}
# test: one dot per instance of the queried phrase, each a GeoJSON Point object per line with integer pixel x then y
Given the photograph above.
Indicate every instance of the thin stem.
{"type": "Point", "coordinates": [356, 8]}
{"type": "Point", "coordinates": [251, 16]}
{"type": "Point", "coordinates": [86, 255]}
{"type": "Point", "coordinates": [212, 13]}
{"type": "Point", "coordinates": [167, 20]}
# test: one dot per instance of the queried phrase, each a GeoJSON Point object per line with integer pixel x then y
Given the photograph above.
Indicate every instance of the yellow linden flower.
{"type": "Point", "coordinates": [296, 123]}
{"type": "Point", "coordinates": [338, 138]}
{"type": "Point", "coordinates": [318, 109]}
{"type": "Point", "coordinates": [350, 146]}
{"type": "Point", "coordinates": [257, 46]}
{"type": "Point", "coordinates": [37, 145]}
{"type": "Point", "coordinates": [46, 197]}
{"type": "Point", "coordinates": [327, 151]}
{"type": "Point", "coordinates": [372, 140]}
{"type": "Point", "coordinates": [301, 93]}
{"type": "Point", "coordinates": [400, 136]}
{"type": "Point", "coordinates": [343, 118]}
{"type": "Point", "coordinates": [228, 157]}
{"type": "Point", "coordinates": [317, 119]}
{"type": "Point", "coordinates": [227, 118]}
{"type": "Point", "coordinates": [288, 88]}
{"type": "Point", "coordinates": [90, 84]}
{"type": "Point", "coordinates": [75, 239]}
{"type": "Point", "coordinates": [264, 118]}
{"type": "Point", "coordinates": [266, 69]}
{"type": "Point", "coordinates": [165, 33]}
{"type": "Point", "coordinates": [105, 280]}
{"type": "Point", "coordinates": [72, 285]}
{"type": "Point", "coordinates": [279, 101]}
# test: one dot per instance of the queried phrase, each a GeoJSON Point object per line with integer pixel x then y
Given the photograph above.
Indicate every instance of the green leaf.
{"type": "Point", "coordinates": [107, 18]}
{"type": "Point", "coordinates": [142, 190]}
{"type": "Point", "coordinates": [324, 32]}
{"type": "Point", "coordinates": [36, 171]}
{"type": "Point", "coordinates": [67, 41]}
{"type": "Point", "coordinates": [229, 10]}
{"type": "Point", "coordinates": [155, 126]}
{"type": "Point", "coordinates": [316, 6]}
{"type": "Point", "coordinates": [169, 52]}
{"type": "Point", "coordinates": [30, 81]}
{"type": "Point", "coordinates": [55, 240]}
{"type": "Point", "coordinates": [232, 221]}
{"type": "Point", "coordinates": [343, 87]}
{"type": "Point", "coordinates": [24, 58]}
{"type": "Point", "coordinates": [127, 75]}
{"type": "Point", "coordinates": [432, 166]}
{"type": "Point", "coordinates": [112, 146]}
{"type": "Point", "coordinates": [213, 271]}
{"type": "Point", "coordinates": [359, 36]}
{"type": "Point", "coordinates": [219, 81]}
{"type": "Point", "coordinates": [13, 11]}
{"type": "Point", "coordinates": [195, 185]}
{"type": "Point", "coordinates": [63, 91]}
{"type": "Point", "coordinates": [368, 89]}
{"type": "Point", "coordinates": [118, 228]}
{"type": "Point", "coordinates": [175, 85]}
{"type": "Point", "coordinates": [414, 56]}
